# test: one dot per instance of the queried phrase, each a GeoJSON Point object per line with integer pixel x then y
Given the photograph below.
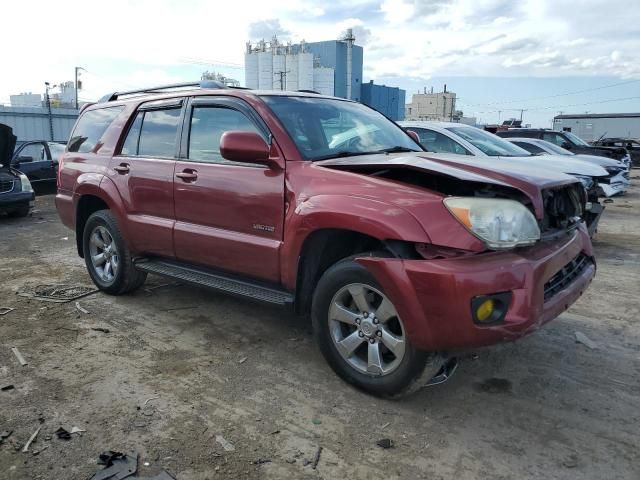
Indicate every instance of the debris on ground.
{"type": "Point", "coordinates": [149, 399]}
{"type": "Point", "coordinates": [100, 329]}
{"type": "Point", "coordinates": [59, 293]}
{"type": "Point", "coordinates": [4, 435]}
{"type": "Point", "coordinates": [494, 385]}
{"type": "Point", "coordinates": [31, 439]}
{"type": "Point", "coordinates": [275, 432]}
{"type": "Point", "coordinates": [243, 359]}
{"type": "Point", "coordinates": [62, 434]}
{"type": "Point", "coordinates": [5, 310]}
{"type": "Point", "coordinates": [6, 388]}
{"type": "Point", "coordinates": [571, 461]}
{"type": "Point", "coordinates": [228, 447]}
{"type": "Point", "coordinates": [607, 200]}
{"type": "Point", "coordinates": [385, 425]}
{"type": "Point", "coordinates": [261, 461]}
{"type": "Point", "coordinates": [79, 307]}
{"type": "Point", "coordinates": [163, 475]}
{"type": "Point", "coordinates": [385, 443]}
{"type": "Point", "coordinates": [19, 356]}
{"type": "Point", "coordinates": [37, 452]}
{"type": "Point", "coordinates": [586, 341]}
{"type": "Point", "coordinates": [76, 430]}
{"type": "Point", "coordinates": [316, 421]}
{"type": "Point", "coordinates": [117, 465]}
{"type": "Point", "coordinates": [316, 458]}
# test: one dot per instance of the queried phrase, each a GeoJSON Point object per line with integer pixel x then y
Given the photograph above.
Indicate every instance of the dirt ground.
{"type": "Point", "coordinates": [179, 367]}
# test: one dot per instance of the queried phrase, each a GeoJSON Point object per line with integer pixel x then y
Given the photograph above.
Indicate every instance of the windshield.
{"type": "Point", "coordinates": [553, 148]}
{"type": "Point", "coordinates": [489, 143]}
{"type": "Point", "coordinates": [576, 140]}
{"type": "Point", "coordinates": [325, 128]}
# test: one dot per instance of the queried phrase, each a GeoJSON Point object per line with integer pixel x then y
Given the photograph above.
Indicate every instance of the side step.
{"type": "Point", "coordinates": [215, 281]}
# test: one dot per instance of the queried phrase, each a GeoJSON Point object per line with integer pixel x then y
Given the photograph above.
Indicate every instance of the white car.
{"type": "Point", "coordinates": [470, 145]}
{"type": "Point", "coordinates": [616, 182]}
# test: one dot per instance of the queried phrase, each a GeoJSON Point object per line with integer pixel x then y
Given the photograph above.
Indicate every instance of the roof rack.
{"type": "Point", "coordinates": [309, 91]}
{"type": "Point", "coordinates": [201, 84]}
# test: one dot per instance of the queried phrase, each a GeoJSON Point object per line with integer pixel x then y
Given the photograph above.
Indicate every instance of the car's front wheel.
{"type": "Point", "coordinates": [361, 334]}
{"type": "Point", "coordinates": [107, 256]}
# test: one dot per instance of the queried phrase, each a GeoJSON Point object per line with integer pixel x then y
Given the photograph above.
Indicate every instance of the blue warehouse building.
{"type": "Point", "coordinates": [387, 100]}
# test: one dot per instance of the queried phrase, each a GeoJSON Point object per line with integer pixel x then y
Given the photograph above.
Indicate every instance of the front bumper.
{"type": "Point", "coordinates": [11, 201]}
{"type": "Point", "coordinates": [433, 297]}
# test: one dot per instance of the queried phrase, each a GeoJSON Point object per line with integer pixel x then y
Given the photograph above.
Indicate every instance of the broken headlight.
{"type": "Point", "coordinates": [499, 223]}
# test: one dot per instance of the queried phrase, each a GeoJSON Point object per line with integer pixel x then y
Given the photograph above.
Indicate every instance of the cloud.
{"type": "Point", "coordinates": [266, 29]}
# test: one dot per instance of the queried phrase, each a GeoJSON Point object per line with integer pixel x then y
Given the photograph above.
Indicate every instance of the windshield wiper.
{"type": "Point", "coordinates": [343, 153]}
{"type": "Point", "coordinates": [396, 149]}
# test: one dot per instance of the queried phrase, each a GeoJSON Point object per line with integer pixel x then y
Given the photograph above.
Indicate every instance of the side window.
{"type": "Point", "coordinates": [439, 143]}
{"type": "Point", "coordinates": [34, 152]}
{"type": "Point", "coordinates": [207, 126]}
{"type": "Point", "coordinates": [130, 145]}
{"type": "Point", "coordinates": [553, 138]}
{"type": "Point", "coordinates": [159, 132]}
{"type": "Point", "coordinates": [90, 128]}
{"type": "Point", "coordinates": [530, 147]}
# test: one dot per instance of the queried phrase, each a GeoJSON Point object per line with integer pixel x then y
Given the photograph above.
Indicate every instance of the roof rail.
{"type": "Point", "coordinates": [308, 91]}
{"type": "Point", "coordinates": [201, 84]}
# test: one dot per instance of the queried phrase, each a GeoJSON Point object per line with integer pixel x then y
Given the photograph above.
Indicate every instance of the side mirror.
{"type": "Point", "coordinates": [246, 147]}
{"type": "Point", "coordinates": [414, 136]}
{"type": "Point", "coordinates": [24, 159]}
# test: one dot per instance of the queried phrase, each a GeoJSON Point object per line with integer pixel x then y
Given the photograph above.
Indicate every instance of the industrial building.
{"type": "Point", "coordinates": [591, 127]}
{"type": "Point", "coordinates": [387, 100]}
{"type": "Point", "coordinates": [432, 106]}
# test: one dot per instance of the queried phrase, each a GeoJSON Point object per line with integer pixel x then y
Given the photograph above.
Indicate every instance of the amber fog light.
{"type": "Point", "coordinates": [490, 309]}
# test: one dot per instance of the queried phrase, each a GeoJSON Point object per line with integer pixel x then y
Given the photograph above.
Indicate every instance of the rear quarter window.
{"type": "Point", "coordinates": [90, 128]}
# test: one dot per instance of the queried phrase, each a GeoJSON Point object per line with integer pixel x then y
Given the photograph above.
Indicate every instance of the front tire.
{"type": "Point", "coordinates": [361, 335]}
{"type": "Point", "coordinates": [108, 259]}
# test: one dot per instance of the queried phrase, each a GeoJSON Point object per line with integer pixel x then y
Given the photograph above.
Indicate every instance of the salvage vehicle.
{"type": "Point", "coordinates": [631, 144]}
{"type": "Point", "coordinates": [471, 145]}
{"type": "Point", "coordinates": [617, 180]}
{"type": "Point", "coordinates": [401, 260]}
{"type": "Point", "coordinates": [568, 141]}
{"type": "Point", "coordinates": [16, 194]}
{"type": "Point", "coordinates": [38, 160]}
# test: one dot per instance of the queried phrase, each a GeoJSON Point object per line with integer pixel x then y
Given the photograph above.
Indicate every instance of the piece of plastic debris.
{"type": "Point", "coordinates": [100, 329]}
{"type": "Point", "coordinates": [5, 310]}
{"type": "Point", "coordinates": [62, 434]}
{"type": "Point", "coordinates": [76, 430]}
{"type": "Point", "coordinates": [149, 399]}
{"type": "Point", "coordinates": [570, 461]}
{"type": "Point", "coordinates": [146, 464]}
{"type": "Point", "coordinates": [583, 339]}
{"type": "Point", "coordinates": [385, 425]}
{"type": "Point", "coordinates": [243, 359]}
{"type": "Point", "coordinates": [31, 439]}
{"type": "Point", "coordinates": [59, 293]}
{"type": "Point", "coordinates": [19, 356]}
{"type": "Point", "coordinates": [117, 465]}
{"type": "Point", "coordinates": [261, 461]}
{"type": "Point", "coordinates": [228, 447]}
{"type": "Point", "coordinates": [6, 388]}
{"type": "Point", "coordinates": [274, 432]}
{"type": "Point", "coordinates": [316, 421]}
{"type": "Point", "coordinates": [385, 443]}
{"type": "Point", "coordinates": [79, 307]}
{"type": "Point", "coordinates": [316, 459]}
{"type": "Point", "coordinates": [37, 452]}
{"type": "Point", "coordinates": [4, 435]}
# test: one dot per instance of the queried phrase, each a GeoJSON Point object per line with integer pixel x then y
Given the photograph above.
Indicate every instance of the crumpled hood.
{"type": "Point", "coordinates": [7, 145]}
{"type": "Point", "coordinates": [520, 176]}
{"type": "Point", "coordinates": [598, 160]}
{"type": "Point", "coordinates": [561, 163]}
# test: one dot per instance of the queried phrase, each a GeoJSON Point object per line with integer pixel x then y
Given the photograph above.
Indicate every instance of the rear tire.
{"type": "Point", "coordinates": [350, 343]}
{"type": "Point", "coordinates": [108, 259]}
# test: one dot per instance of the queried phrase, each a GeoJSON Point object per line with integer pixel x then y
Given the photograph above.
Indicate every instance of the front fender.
{"type": "Point", "coordinates": [344, 212]}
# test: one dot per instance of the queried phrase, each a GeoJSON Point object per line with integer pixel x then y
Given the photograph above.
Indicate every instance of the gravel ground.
{"type": "Point", "coordinates": [176, 368]}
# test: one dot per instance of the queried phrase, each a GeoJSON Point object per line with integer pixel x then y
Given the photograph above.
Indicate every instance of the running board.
{"type": "Point", "coordinates": [215, 281]}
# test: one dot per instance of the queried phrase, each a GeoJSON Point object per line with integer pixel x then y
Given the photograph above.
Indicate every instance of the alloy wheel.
{"type": "Point", "coordinates": [104, 254]}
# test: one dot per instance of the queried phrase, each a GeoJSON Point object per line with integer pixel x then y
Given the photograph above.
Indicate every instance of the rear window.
{"type": "Point", "coordinates": [90, 128]}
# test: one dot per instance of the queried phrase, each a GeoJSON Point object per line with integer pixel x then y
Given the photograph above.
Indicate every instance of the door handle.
{"type": "Point", "coordinates": [187, 175]}
{"type": "Point", "coordinates": [122, 169]}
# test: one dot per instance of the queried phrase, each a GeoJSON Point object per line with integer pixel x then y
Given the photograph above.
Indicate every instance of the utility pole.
{"type": "Point", "coordinates": [283, 76]}
{"type": "Point", "coordinates": [77, 84]}
{"type": "Point", "coordinates": [521, 112]}
{"type": "Point", "coordinates": [48, 103]}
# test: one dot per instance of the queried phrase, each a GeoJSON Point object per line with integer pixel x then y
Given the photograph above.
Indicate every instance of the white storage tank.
{"type": "Point", "coordinates": [291, 64]}
{"type": "Point", "coordinates": [265, 71]}
{"type": "Point", "coordinates": [305, 71]}
{"type": "Point", "coordinates": [323, 80]}
{"type": "Point", "coordinates": [251, 70]}
{"type": "Point", "coordinates": [279, 66]}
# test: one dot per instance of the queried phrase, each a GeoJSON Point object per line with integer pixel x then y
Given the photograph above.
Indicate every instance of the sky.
{"type": "Point", "coordinates": [499, 56]}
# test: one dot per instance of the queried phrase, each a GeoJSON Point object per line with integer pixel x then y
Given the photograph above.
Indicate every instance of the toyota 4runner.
{"type": "Point", "coordinates": [326, 206]}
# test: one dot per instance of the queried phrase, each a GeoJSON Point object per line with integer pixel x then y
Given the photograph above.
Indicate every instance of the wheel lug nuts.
{"type": "Point", "coordinates": [357, 321]}
{"type": "Point", "coordinates": [379, 333]}
{"type": "Point", "coordinates": [361, 334]}
{"type": "Point", "coordinates": [366, 314]}
{"type": "Point", "coordinates": [373, 340]}
{"type": "Point", "coordinates": [376, 321]}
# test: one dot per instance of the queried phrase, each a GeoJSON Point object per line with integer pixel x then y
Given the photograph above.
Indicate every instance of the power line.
{"type": "Point", "coordinates": [560, 106]}
{"type": "Point", "coordinates": [554, 96]}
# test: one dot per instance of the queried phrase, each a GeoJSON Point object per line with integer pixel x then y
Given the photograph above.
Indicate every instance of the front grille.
{"type": "Point", "coordinates": [563, 208]}
{"type": "Point", "coordinates": [6, 183]}
{"type": "Point", "coordinates": [566, 276]}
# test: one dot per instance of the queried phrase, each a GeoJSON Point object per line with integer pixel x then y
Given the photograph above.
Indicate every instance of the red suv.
{"type": "Point", "coordinates": [325, 206]}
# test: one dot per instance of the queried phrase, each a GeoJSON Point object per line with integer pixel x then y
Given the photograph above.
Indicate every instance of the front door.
{"type": "Point", "coordinates": [33, 160]}
{"type": "Point", "coordinates": [228, 215]}
{"type": "Point", "coordinates": [143, 174]}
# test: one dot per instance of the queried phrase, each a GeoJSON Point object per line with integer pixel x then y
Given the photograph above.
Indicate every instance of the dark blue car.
{"type": "Point", "coordinates": [16, 193]}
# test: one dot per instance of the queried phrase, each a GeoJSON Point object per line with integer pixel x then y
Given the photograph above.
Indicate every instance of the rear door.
{"type": "Point", "coordinates": [228, 215]}
{"type": "Point", "coordinates": [143, 174]}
